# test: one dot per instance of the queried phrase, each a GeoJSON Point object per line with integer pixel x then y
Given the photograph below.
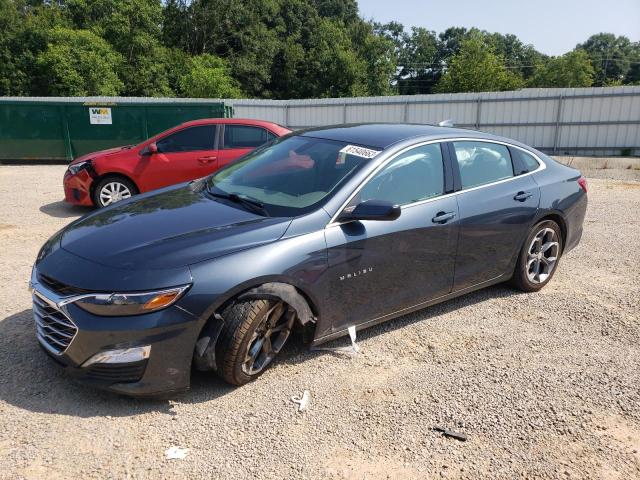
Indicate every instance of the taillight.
{"type": "Point", "coordinates": [583, 184]}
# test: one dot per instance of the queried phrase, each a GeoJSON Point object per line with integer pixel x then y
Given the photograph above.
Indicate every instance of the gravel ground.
{"type": "Point", "coordinates": [545, 385]}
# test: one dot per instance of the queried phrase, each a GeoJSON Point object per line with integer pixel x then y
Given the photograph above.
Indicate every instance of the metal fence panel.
{"type": "Point", "coordinates": [577, 120]}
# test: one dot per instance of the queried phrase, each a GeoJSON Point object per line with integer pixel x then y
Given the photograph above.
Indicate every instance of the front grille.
{"type": "Point", "coordinates": [60, 288]}
{"type": "Point", "coordinates": [117, 373]}
{"type": "Point", "coordinates": [53, 328]}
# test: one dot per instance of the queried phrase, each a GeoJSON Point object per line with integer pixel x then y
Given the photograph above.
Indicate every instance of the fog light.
{"type": "Point", "coordinates": [123, 355]}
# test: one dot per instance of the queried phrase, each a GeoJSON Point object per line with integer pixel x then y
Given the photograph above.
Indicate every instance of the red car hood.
{"type": "Point", "coordinates": [101, 153]}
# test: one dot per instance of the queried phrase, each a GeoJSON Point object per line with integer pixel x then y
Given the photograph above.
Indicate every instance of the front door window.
{"type": "Point", "coordinates": [188, 140]}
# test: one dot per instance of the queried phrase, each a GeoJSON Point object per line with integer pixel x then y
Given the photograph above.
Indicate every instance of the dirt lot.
{"type": "Point", "coordinates": [545, 385]}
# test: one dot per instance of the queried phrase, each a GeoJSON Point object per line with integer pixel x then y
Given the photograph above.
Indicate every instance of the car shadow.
{"type": "Point", "coordinates": [31, 381]}
{"type": "Point", "coordinates": [62, 209]}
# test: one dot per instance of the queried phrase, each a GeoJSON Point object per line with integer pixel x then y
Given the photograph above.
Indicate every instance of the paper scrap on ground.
{"type": "Point", "coordinates": [176, 453]}
{"type": "Point", "coordinates": [351, 349]}
{"type": "Point", "coordinates": [303, 402]}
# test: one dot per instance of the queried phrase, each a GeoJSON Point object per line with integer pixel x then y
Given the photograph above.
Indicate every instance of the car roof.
{"type": "Point", "coordinates": [236, 121]}
{"type": "Point", "coordinates": [383, 135]}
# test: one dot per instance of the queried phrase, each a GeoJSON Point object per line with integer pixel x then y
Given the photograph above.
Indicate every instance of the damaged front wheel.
{"type": "Point", "coordinates": [254, 332]}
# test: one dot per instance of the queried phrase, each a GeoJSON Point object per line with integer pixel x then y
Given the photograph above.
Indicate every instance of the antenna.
{"type": "Point", "coordinates": [446, 123]}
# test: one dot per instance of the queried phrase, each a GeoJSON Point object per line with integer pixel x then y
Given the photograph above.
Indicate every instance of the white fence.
{"type": "Point", "coordinates": [587, 121]}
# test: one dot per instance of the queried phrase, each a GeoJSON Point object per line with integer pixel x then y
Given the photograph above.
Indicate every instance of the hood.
{"type": "Point", "coordinates": [174, 228]}
{"type": "Point", "coordinates": [101, 153]}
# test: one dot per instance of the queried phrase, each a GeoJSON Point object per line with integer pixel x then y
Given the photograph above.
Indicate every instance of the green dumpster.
{"type": "Point", "coordinates": [64, 128]}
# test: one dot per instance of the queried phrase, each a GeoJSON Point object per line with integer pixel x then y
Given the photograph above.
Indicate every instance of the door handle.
{"type": "Point", "coordinates": [443, 217]}
{"type": "Point", "coordinates": [522, 196]}
{"type": "Point", "coordinates": [205, 160]}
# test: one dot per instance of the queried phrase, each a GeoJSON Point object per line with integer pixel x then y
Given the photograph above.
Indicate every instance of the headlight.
{"type": "Point", "coordinates": [124, 304]}
{"type": "Point", "coordinates": [77, 167]}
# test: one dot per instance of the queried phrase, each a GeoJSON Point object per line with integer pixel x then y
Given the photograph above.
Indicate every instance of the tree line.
{"type": "Point", "coordinates": [273, 49]}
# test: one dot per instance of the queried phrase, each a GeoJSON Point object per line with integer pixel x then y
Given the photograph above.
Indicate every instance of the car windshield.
{"type": "Point", "coordinates": [291, 176]}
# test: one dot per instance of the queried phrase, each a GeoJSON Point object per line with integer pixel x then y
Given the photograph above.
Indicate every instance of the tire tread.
{"type": "Point", "coordinates": [239, 320]}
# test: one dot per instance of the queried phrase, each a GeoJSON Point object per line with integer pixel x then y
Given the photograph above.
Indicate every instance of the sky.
{"type": "Point", "coordinates": [553, 27]}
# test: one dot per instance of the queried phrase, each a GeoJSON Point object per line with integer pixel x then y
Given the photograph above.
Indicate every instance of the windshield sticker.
{"type": "Point", "coordinates": [359, 151]}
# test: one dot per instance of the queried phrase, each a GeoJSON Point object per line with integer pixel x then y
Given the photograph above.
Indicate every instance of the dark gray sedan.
{"type": "Point", "coordinates": [325, 229]}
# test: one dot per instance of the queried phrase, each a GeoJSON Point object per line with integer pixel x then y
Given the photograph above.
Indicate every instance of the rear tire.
{"type": "Point", "coordinates": [539, 257]}
{"type": "Point", "coordinates": [253, 334]}
{"type": "Point", "coordinates": [112, 189]}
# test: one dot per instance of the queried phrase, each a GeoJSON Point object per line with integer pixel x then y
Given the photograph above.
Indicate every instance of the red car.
{"type": "Point", "coordinates": [190, 150]}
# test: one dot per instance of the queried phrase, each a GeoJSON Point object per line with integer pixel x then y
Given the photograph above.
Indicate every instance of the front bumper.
{"type": "Point", "coordinates": [171, 334]}
{"type": "Point", "coordinates": [77, 188]}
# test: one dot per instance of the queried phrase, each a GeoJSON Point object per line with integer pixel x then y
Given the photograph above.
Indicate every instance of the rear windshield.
{"type": "Point", "coordinates": [294, 175]}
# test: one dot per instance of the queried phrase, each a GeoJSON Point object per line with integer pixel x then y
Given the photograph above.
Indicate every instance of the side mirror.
{"type": "Point", "coordinates": [372, 210]}
{"type": "Point", "coordinates": [149, 150]}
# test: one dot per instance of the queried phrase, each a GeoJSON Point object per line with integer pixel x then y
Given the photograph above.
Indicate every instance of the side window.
{"type": "Point", "coordinates": [482, 162]}
{"type": "Point", "coordinates": [240, 136]}
{"type": "Point", "coordinates": [523, 162]}
{"type": "Point", "coordinates": [415, 175]}
{"type": "Point", "coordinates": [189, 140]}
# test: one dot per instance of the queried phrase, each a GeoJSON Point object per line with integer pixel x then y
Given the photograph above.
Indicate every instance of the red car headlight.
{"type": "Point", "coordinates": [78, 167]}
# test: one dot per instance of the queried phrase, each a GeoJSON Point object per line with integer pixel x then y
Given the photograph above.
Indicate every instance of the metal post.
{"type": "Point", "coordinates": [145, 125]}
{"type": "Point", "coordinates": [67, 134]}
{"type": "Point", "coordinates": [286, 115]}
{"type": "Point", "coordinates": [478, 112]}
{"type": "Point", "coordinates": [344, 112]}
{"type": "Point", "coordinates": [406, 112]}
{"type": "Point", "coordinates": [556, 135]}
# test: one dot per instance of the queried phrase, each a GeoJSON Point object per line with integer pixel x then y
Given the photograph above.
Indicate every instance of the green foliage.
{"type": "Point", "coordinates": [10, 72]}
{"type": "Point", "coordinates": [132, 27]}
{"type": "Point", "coordinates": [420, 62]}
{"type": "Point", "coordinates": [571, 70]}
{"type": "Point", "coordinates": [378, 57]}
{"type": "Point", "coordinates": [333, 62]}
{"type": "Point", "coordinates": [78, 62]}
{"type": "Point", "coordinates": [207, 77]}
{"type": "Point", "coordinates": [610, 56]}
{"type": "Point", "coordinates": [476, 68]}
{"type": "Point", "coordinates": [272, 49]}
{"type": "Point", "coordinates": [517, 55]}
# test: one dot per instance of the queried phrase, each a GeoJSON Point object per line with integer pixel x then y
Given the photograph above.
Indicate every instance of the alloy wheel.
{"type": "Point", "coordinates": [268, 338]}
{"type": "Point", "coordinates": [114, 192]}
{"type": "Point", "coordinates": [542, 255]}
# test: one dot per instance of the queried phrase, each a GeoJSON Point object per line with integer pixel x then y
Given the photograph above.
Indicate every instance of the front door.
{"type": "Point", "coordinates": [497, 209]}
{"type": "Point", "coordinates": [380, 267]}
{"type": "Point", "coordinates": [183, 155]}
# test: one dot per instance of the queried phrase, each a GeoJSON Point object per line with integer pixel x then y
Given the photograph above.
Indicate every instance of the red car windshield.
{"type": "Point", "coordinates": [292, 176]}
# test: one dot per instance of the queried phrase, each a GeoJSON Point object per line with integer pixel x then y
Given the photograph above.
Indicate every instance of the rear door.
{"type": "Point", "coordinates": [379, 267]}
{"type": "Point", "coordinates": [497, 206]}
{"type": "Point", "coordinates": [183, 155]}
{"type": "Point", "coordinates": [237, 140]}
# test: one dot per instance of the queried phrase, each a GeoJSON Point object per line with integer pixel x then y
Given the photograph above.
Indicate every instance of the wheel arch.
{"type": "Point", "coordinates": [559, 219]}
{"type": "Point", "coordinates": [283, 289]}
{"type": "Point", "coordinates": [544, 215]}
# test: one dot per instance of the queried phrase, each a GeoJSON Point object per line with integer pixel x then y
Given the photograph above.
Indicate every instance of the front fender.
{"type": "Point", "coordinates": [285, 292]}
{"type": "Point", "coordinates": [289, 269]}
